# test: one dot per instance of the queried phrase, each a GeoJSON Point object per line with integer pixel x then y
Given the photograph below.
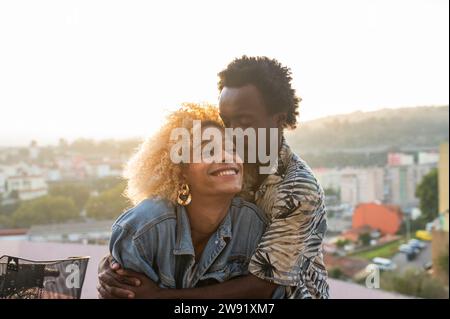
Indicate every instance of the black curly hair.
{"type": "Point", "coordinates": [272, 79]}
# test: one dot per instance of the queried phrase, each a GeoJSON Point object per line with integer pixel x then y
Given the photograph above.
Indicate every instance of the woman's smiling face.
{"type": "Point", "coordinates": [214, 178]}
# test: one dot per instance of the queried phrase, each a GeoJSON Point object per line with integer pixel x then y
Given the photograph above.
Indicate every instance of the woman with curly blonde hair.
{"type": "Point", "coordinates": [188, 227]}
{"type": "Point", "coordinates": [151, 172]}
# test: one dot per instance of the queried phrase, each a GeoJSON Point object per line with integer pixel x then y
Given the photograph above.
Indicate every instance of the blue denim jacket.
{"type": "Point", "coordinates": [154, 238]}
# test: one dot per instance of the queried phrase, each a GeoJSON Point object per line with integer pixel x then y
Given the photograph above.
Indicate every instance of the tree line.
{"type": "Point", "coordinates": [68, 202]}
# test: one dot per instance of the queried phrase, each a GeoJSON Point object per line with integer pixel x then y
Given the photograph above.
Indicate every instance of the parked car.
{"type": "Point", "coordinates": [406, 249]}
{"type": "Point", "coordinates": [423, 235]}
{"type": "Point", "coordinates": [384, 263]}
{"type": "Point", "coordinates": [415, 248]}
{"type": "Point", "coordinates": [417, 243]}
{"type": "Point", "coordinates": [409, 251]}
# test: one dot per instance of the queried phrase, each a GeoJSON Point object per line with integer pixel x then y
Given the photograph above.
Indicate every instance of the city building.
{"type": "Point", "coordinates": [26, 187]}
{"type": "Point", "coordinates": [395, 183]}
{"type": "Point", "coordinates": [440, 238]}
{"type": "Point", "coordinates": [385, 218]}
{"type": "Point", "coordinates": [338, 224]}
{"type": "Point", "coordinates": [443, 179]}
{"type": "Point", "coordinates": [21, 182]}
{"type": "Point", "coordinates": [53, 174]}
{"type": "Point", "coordinates": [13, 234]}
{"type": "Point", "coordinates": [362, 186]}
{"type": "Point", "coordinates": [401, 183]}
{"type": "Point", "coordinates": [400, 159]}
{"type": "Point", "coordinates": [104, 168]}
{"type": "Point", "coordinates": [2, 181]}
{"type": "Point", "coordinates": [71, 167]}
{"type": "Point", "coordinates": [33, 150]}
{"type": "Point", "coordinates": [355, 185]}
{"type": "Point", "coordinates": [93, 232]}
{"type": "Point", "coordinates": [428, 158]}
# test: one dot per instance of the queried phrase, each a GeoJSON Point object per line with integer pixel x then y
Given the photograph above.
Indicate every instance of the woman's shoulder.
{"type": "Point", "coordinates": [148, 212]}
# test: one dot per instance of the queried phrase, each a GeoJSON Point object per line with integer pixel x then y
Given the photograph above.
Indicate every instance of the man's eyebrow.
{"type": "Point", "coordinates": [245, 115]}
{"type": "Point", "coordinates": [238, 115]}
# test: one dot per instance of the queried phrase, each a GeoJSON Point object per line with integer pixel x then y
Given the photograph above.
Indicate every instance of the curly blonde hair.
{"type": "Point", "coordinates": [150, 171]}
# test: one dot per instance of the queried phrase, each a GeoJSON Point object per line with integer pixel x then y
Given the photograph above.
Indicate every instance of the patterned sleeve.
{"type": "Point", "coordinates": [290, 252]}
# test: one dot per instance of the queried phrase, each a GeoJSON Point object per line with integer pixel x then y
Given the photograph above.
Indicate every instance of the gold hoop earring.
{"type": "Point", "coordinates": [184, 195]}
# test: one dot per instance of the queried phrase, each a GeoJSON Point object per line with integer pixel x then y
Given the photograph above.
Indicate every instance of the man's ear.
{"type": "Point", "coordinates": [280, 119]}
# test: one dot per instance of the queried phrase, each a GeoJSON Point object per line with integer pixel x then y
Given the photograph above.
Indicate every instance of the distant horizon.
{"type": "Point", "coordinates": [25, 141]}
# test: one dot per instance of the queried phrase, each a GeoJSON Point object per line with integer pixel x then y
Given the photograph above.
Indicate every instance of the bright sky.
{"type": "Point", "coordinates": [113, 68]}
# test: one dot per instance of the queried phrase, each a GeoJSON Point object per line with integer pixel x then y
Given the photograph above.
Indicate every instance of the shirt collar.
{"type": "Point", "coordinates": [225, 228]}
{"type": "Point", "coordinates": [284, 157]}
{"type": "Point", "coordinates": [183, 244]}
{"type": "Point", "coordinates": [280, 168]}
{"type": "Point", "coordinates": [281, 165]}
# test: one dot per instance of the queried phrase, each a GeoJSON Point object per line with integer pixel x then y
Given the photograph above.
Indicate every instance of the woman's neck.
{"type": "Point", "coordinates": [205, 216]}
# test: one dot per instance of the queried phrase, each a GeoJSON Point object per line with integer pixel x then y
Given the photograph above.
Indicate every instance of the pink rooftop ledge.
{"type": "Point", "coordinates": [48, 251]}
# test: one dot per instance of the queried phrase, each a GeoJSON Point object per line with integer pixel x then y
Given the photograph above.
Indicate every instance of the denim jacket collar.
{"type": "Point", "coordinates": [184, 245]}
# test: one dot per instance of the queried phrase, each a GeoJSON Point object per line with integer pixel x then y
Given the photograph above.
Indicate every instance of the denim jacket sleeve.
{"type": "Point", "coordinates": [129, 253]}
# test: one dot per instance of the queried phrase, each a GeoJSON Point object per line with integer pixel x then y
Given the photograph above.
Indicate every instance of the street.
{"type": "Point", "coordinates": [422, 257]}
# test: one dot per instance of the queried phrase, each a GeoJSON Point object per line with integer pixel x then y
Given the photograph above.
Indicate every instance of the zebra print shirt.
{"type": "Point", "coordinates": [290, 251]}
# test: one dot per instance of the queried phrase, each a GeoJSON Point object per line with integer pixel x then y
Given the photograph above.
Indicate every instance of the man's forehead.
{"type": "Point", "coordinates": [246, 91]}
{"type": "Point", "coordinates": [238, 101]}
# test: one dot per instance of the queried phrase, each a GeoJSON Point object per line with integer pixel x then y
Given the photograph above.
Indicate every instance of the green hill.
{"type": "Point", "coordinates": [365, 138]}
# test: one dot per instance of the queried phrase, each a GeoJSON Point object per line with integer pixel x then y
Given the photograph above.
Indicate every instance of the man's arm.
{"type": "Point", "coordinates": [245, 287]}
{"type": "Point", "coordinates": [293, 257]}
{"type": "Point", "coordinates": [115, 282]}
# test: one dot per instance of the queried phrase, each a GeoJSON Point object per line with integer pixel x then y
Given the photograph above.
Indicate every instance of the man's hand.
{"type": "Point", "coordinates": [115, 282]}
{"type": "Point", "coordinates": [145, 288]}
